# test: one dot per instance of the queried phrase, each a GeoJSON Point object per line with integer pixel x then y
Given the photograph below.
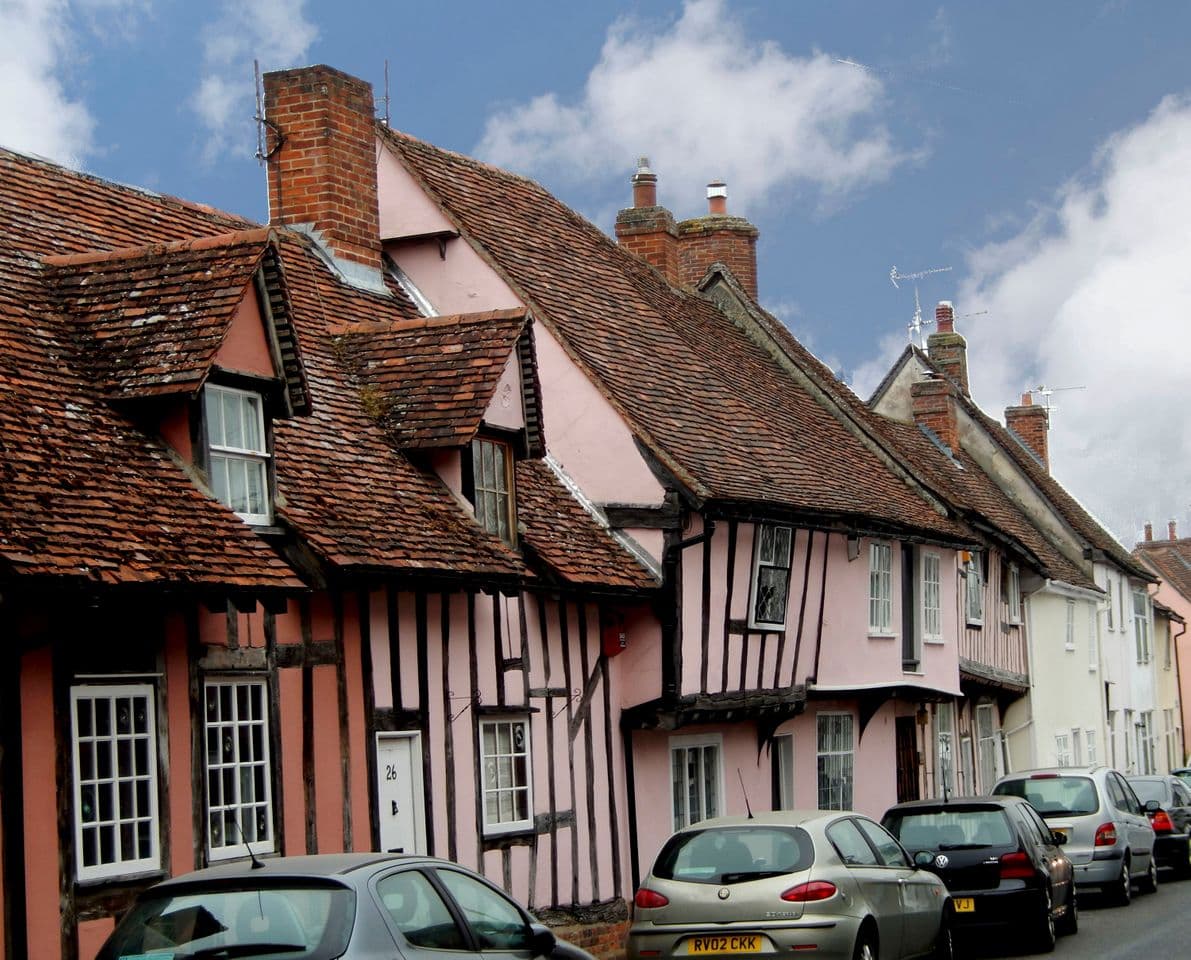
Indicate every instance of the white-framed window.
{"type": "Point", "coordinates": [880, 589]}
{"type": "Point", "coordinates": [835, 759]}
{"type": "Point", "coordinates": [771, 576]}
{"type": "Point", "coordinates": [237, 452]}
{"type": "Point", "coordinates": [974, 589]}
{"type": "Point", "coordinates": [504, 761]}
{"type": "Point", "coordinates": [1089, 740]}
{"type": "Point", "coordinates": [1069, 635]}
{"type": "Point", "coordinates": [945, 749]}
{"type": "Point", "coordinates": [932, 599]}
{"type": "Point", "coordinates": [1166, 648]}
{"type": "Point", "coordinates": [114, 747]}
{"type": "Point", "coordinates": [1170, 738]}
{"type": "Point", "coordinates": [988, 745]}
{"type": "Point", "coordinates": [1108, 596]}
{"type": "Point", "coordinates": [1076, 747]}
{"type": "Point", "coordinates": [1063, 749]}
{"type": "Point", "coordinates": [492, 485]}
{"type": "Point", "coordinates": [1141, 625]}
{"type": "Point", "coordinates": [967, 765]}
{"type": "Point", "coordinates": [696, 778]}
{"type": "Point", "coordinates": [1093, 646]}
{"type": "Point", "coordinates": [783, 753]}
{"type": "Point", "coordinates": [1013, 593]}
{"type": "Point", "coordinates": [238, 768]}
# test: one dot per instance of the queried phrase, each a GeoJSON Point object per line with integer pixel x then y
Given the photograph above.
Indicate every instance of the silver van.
{"type": "Point", "coordinates": [1109, 840]}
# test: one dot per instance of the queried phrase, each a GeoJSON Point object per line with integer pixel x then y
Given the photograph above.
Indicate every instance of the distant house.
{"type": "Point", "coordinates": [1170, 559]}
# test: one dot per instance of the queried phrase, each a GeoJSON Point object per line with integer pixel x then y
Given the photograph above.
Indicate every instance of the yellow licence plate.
{"type": "Point", "coordinates": [965, 905]}
{"type": "Point", "coordinates": [720, 944]}
{"type": "Point", "coordinates": [1061, 832]}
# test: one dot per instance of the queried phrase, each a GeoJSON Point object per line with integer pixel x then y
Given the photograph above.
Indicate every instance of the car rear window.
{"type": "Point", "coordinates": [954, 828]}
{"type": "Point", "coordinates": [294, 922]}
{"type": "Point", "coordinates": [1149, 790]}
{"type": "Point", "coordinates": [734, 854]}
{"type": "Point", "coordinates": [1054, 796]}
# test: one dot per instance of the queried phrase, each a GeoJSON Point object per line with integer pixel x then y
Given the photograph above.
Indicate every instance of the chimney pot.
{"type": "Point", "coordinates": [645, 185]}
{"type": "Point", "coordinates": [1171, 528]}
{"type": "Point", "coordinates": [1149, 532]}
{"type": "Point", "coordinates": [945, 316]}
{"type": "Point", "coordinates": [717, 198]}
{"type": "Point", "coordinates": [1027, 399]}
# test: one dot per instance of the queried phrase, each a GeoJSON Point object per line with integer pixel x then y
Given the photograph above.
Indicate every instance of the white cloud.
{"type": "Point", "coordinates": [1095, 291]}
{"type": "Point", "coordinates": [274, 32]}
{"type": "Point", "coordinates": [36, 114]}
{"type": "Point", "coordinates": [702, 101]}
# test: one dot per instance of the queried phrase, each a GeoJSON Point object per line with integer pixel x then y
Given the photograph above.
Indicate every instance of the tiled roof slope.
{"type": "Point", "coordinates": [964, 484]}
{"type": "Point", "coordinates": [430, 380]}
{"type": "Point", "coordinates": [157, 315]}
{"type": "Point", "coordinates": [83, 494]}
{"type": "Point", "coordinates": [716, 408]}
{"type": "Point", "coordinates": [564, 536]}
{"type": "Point", "coordinates": [1172, 560]}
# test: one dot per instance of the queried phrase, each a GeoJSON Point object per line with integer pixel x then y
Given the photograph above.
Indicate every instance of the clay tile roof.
{"type": "Point", "coordinates": [431, 379]}
{"type": "Point", "coordinates": [157, 315]}
{"type": "Point", "coordinates": [567, 538]}
{"type": "Point", "coordinates": [1171, 559]}
{"type": "Point", "coordinates": [714, 408]}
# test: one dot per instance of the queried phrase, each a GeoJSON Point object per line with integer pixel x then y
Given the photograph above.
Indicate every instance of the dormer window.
{"type": "Point", "coordinates": [237, 452]}
{"type": "Point", "coordinates": [492, 485]}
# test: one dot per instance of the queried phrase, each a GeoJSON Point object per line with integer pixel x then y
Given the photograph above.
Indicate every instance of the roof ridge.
{"type": "Point", "coordinates": [402, 136]}
{"type": "Point", "coordinates": [232, 238]}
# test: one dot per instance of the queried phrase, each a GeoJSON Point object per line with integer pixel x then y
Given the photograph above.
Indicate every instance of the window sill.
{"type": "Point", "coordinates": [912, 673]}
{"type": "Point", "coordinates": [1069, 647]}
{"type": "Point", "coordinates": [977, 624]}
{"type": "Point", "coordinates": [880, 635]}
{"type": "Point", "coordinates": [934, 641]}
{"type": "Point", "coordinates": [142, 877]}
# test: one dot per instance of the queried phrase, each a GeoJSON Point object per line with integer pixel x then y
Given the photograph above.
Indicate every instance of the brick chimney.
{"type": "Point", "coordinates": [1030, 423]}
{"type": "Point", "coordinates": [1149, 532]}
{"type": "Point", "coordinates": [1172, 530]}
{"type": "Point", "coordinates": [322, 170]}
{"type": "Point", "coordinates": [934, 407]}
{"type": "Point", "coordinates": [948, 349]}
{"type": "Point", "coordinates": [647, 229]}
{"type": "Point", "coordinates": [720, 237]}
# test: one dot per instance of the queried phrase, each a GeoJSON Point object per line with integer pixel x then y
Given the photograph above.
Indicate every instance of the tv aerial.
{"type": "Point", "coordinates": [914, 327]}
{"type": "Point", "coordinates": [1043, 391]}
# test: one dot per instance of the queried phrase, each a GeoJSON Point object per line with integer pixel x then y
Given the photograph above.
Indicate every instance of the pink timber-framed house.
{"type": "Point", "coordinates": [429, 518]}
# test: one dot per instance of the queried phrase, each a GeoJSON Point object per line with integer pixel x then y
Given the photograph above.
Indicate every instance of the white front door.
{"type": "Point", "coordinates": [399, 782]}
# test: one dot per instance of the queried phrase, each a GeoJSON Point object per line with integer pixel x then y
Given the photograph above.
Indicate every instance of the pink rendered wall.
{"type": "Point", "coordinates": [1167, 595]}
{"type": "Point", "coordinates": [638, 666]}
{"type": "Point", "coordinates": [42, 897]}
{"type": "Point", "coordinates": [360, 757]}
{"type": "Point", "coordinates": [405, 210]}
{"type": "Point", "coordinates": [177, 698]}
{"type": "Point", "coordinates": [245, 348]}
{"type": "Point", "coordinates": [175, 430]}
{"type": "Point", "coordinates": [289, 693]}
{"type": "Point", "coordinates": [92, 934]}
{"type": "Point", "coordinates": [586, 434]}
{"type": "Point", "coordinates": [505, 410]}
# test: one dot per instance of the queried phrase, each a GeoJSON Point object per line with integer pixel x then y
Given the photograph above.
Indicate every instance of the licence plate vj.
{"type": "Point", "coordinates": [744, 943]}
{"type": "Point", "coordinates": [964, 905]}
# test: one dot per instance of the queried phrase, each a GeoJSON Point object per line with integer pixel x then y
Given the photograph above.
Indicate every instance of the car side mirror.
{"type": "Point", "coordinates": [542, 940]}
{"type": "Point", "coordinates": [1152, 806]}
{"type": "Point", "coordinates": [923, 858]}
{"type": "Point", "coordinates": [1058, 839]}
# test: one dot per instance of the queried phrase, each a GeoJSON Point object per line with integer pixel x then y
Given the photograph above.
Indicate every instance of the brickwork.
{"type": "Point", "coordinates": [949, 351]}
{"type": "Point", "coordinates": [604, 941]}
{"type": "Point", "coordinates": [1031, 424]}
{"type": "Point", "coordinates": [650, 233]}
{"type": "Point", "coordinates": [934, 407]}
{"type": "Point", "coordinates": [323, 169]}
{"type": "Point", "coordinates": [729, 240]}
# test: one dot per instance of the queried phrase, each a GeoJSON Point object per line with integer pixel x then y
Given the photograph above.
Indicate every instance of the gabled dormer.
{"type": "Point", "coordinates": [194, 341]}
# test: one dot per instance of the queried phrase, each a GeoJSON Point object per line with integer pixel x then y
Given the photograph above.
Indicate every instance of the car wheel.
{"type": "Point", "coordinates": [1150, 883]}
{"type": "Point", "coordinates": [866, 945]}
{"type": "Point", "coordinates": [1069, 923]}
{"type": "Point", "coordinates": [1044, 926]}
{"type": "Point", "coordinates": [944, 942]}
{"type": "Point", "coordinates": [1122, 892]}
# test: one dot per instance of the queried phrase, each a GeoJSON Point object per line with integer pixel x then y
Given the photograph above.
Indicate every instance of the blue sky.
{"type": "Point", "coordinates": [1041, 150]}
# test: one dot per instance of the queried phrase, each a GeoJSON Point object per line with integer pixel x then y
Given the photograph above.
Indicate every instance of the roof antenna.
{"type": "Point", "coordinates": [386, 119]}
{"type": "Point", "coordinates": [1045, 392]}
{"type": "Point", "coordinates": [745, 792]}
{"type": "Point", "coordinates": [262, 155]}
{"type": "Point", "coordinates": [256, 864]}
{"type": "Point", "coordinates": [915, 325]}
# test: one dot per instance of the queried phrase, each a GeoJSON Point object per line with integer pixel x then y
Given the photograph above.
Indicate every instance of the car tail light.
{"type": "Point", "coordinates": [1106, 835]}
{"type": "Point", "coordinates": [1161, 822]}
{"type": "Point", "coordinates": [1016, 866]}
{"type": "Point", "coordinates": [809, 892]}
{"type": "Point", "coordinates": [649, 899]}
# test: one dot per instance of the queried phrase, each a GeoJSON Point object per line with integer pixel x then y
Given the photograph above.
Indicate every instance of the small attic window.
{"type": "Point", "coordinates": [492, 486]}
{"type": "Point", "coordinates": [237, 452]}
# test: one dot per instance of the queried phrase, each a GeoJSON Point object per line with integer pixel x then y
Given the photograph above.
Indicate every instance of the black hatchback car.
{"type": "Point", "coordinates": [1000, 861]}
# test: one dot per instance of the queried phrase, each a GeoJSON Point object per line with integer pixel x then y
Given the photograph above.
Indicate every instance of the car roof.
{"type": "Point", "coordinates": [773, 818]}
{"type": "Point", "coordinates": [320, 865]}
{"type": "Point", "coordinates": [938, 803]}
{"type": "Point", "coordinates": [1055, 771]}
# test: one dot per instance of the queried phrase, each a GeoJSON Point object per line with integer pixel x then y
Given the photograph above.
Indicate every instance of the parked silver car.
{"type": "Point", "coordinates": [829, 882]}
{"type": "Point", "coordinates": [362, 906]}
{"type": "Point", "coordinates": [1171, 821]}
{"type": "Point", "coordinates": [1109, 840]}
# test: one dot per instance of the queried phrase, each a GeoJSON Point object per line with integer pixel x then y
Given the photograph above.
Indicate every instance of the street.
{"type": "Point", "coordinates": [1154, 925]}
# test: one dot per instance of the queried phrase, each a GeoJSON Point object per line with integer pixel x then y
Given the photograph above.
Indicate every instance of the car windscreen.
{"type": "Point", "coordinates": [953, 828]}
{"type": "Point", "coordinates": [1054, 795]}
{"type": "Point", "coordinates": [735, 854]}
{"type": "Point", "coordinates": [299, 921]}
{"type": "Point", "coordinates": [1147, 790]}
